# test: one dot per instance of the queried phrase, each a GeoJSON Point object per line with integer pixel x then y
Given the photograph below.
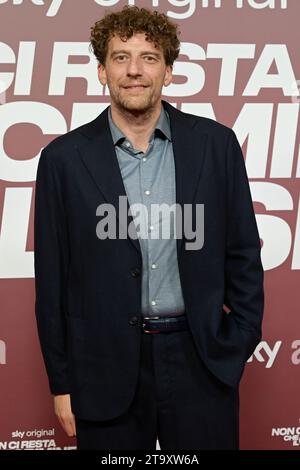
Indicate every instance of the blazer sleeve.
{"type": "Point", "coordinates": [51, 267]}
{"type": "Point", "coordinates": [244, 294]}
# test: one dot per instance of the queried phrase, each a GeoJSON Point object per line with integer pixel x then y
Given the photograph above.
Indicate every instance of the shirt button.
{"type": "Point", "coordinates": [127, 144]}
{"type": "Point", "coordinates": [147, 192]}
{"type": "Point", "coordinates": [153, 303]}
{"type": "Point", "coordinates": [144, 159]}
{"type": "Point", "coordinates": [151, 228]}
{"type": "Point", "coordinates": [153, 266]}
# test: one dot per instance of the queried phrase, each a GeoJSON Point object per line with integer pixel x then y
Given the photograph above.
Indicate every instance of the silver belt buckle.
{"type": "Point", "coordinates": [144, 324]}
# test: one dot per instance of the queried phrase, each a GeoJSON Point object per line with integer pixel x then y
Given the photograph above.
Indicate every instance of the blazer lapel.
{"type": "Point", "coordinates": [100, 159]}
{"type": "Point", "coordinates": [189, 153]}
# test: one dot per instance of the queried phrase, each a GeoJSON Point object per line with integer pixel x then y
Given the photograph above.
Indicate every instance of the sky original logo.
{"type": "Point", "coordinates": [53, 6]}
{"type": "Point", "coordinates": [184, 8]}
{"type": "Point", "coordinates": [33, 439]}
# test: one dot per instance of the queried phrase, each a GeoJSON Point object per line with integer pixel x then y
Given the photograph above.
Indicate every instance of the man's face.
{"type": "Point", "coordinates": [135, 72]}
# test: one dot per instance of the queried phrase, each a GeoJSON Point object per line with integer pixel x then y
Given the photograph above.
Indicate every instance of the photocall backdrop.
{"type": "Point", "coordinates": [239, 64]}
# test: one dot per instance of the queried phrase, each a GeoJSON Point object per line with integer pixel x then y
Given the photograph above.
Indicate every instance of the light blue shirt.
{"type": "Point", "coordinates": [149, 178]}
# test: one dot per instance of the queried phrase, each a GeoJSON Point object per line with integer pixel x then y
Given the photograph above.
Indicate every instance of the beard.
{"type": "Point", "coordinates": [133, 101]}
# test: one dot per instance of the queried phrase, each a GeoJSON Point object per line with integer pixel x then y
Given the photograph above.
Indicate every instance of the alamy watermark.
{"type": "Point", "coordinates": [154, 221]}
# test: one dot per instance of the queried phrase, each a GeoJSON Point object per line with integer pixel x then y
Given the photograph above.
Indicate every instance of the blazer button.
{"type": "Point", "coordinates": [133, 321]}
{"type": "Point", "coordinates": [135, 272]}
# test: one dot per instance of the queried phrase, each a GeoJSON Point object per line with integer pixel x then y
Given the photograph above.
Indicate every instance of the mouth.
{"type": "Point", "coordinates": [135, 87]}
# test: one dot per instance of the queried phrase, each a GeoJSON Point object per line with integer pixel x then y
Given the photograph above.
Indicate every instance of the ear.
{"type": "Point", "coordinates": [102, 74]}
{"type": "Point", "coordinates": [168, 75]}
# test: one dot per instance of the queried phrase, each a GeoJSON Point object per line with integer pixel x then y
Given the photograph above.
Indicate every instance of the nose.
{"type": "Point", "coordinates": [134, 68]}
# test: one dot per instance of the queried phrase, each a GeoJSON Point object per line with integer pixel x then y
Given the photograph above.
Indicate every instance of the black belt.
{"type": "Point", "coordinates": [164, 324]}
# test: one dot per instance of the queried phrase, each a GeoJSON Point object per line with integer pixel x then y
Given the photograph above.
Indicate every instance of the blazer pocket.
{"type": "Point", "coordinates": [247, 339]}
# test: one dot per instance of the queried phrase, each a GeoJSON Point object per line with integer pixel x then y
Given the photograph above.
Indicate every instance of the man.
{"type": "Point", "coordinates": [142, 336]}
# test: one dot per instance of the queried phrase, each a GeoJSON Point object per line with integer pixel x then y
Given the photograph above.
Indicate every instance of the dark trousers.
{"type": "Point", "coordinates": [177, 401]}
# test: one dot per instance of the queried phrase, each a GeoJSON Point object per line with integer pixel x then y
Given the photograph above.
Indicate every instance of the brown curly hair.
{"type": "Point", "coordinates": [130, 20]}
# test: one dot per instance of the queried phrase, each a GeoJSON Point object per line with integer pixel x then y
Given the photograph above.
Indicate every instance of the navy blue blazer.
{"type": "Point", "coordinates": [88, 291]}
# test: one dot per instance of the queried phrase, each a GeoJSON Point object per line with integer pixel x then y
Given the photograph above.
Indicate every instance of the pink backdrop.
{"type": "Point", "coordinates": [239, 64]}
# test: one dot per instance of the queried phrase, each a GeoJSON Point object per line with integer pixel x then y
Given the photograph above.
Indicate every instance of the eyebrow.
{"type": "Point", "coordinates": [123, 51]}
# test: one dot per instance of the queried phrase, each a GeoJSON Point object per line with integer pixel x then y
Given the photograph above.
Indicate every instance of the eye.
{"type": "Point", "coordinates": [121, 58]}
{"type": "Point", "coordinates": [150, 58]}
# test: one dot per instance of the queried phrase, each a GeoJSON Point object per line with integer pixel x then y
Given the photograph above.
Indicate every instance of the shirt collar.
{"type": "Point", "coordinates": [162, 126]}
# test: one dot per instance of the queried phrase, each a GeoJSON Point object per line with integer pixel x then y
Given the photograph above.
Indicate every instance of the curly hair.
{"type": "Point", "coordinates": [131, 20]}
